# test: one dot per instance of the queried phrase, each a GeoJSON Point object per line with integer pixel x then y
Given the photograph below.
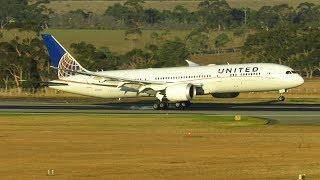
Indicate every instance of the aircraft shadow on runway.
{"type": "Point", "coordinates": [147, 105]}
{"type": "Point", "coordinates": [272, 105]}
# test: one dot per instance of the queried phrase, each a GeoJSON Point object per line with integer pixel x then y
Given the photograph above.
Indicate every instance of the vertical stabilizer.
{"type": "Point", "coordinates": [61, 58]}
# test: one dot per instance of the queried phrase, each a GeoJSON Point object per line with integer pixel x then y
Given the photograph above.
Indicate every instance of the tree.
{"type": "Point", "coordinates": [274, 46]}
{"type": "Point", "coordinates": [214, 14]}
{"type": "Point", "coordinates": [23, 15]}
{"type": "Point", "coordinates": [306, 64]}
{"type": "Point", "coordinates": [85, 54]}
{"type": "Point", "coordinates": [134, 19]}
{"type": "Point", "coordinates": [34, 17]}
{"type": "Point", "coordinates": [181, 14]}
{"type": "Point", "coordinates": [197, 42]}
{"type": "Point", "coordinates": [308, 15]}
{"type": "Point", "coordinates": [118, 11]}
{"type": "Point", "coordinates": [152, 16]}
{"type": "Point", "coordinates": [307, 51]}
{"type": "Point", "coordinates": [238, 17]}
{"type": "Point", "coordinates": [272, 16]}
{"type": "Point", "coordinates": [137, 59]}
{"type": "Point", "coordinates": [172, 53]}
{"type": "Point", "coordinates": [9, 9]}
{"type": "Point", "coordinates": [295, 47]}
{"type": "Point", "coordinates": [221, 40]}
{"type": "Point", "coordinates": [95, 58]}
{"type": "Point", "coordinates": [22, 60]}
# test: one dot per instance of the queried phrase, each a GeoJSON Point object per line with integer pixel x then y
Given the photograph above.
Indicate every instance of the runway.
{"type": "Point", "coordinates": [146, 107]}
{"type": "Point", "coordinates": [279, 112]}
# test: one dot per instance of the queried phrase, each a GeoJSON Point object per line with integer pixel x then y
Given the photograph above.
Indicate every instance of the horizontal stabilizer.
{"type": "Point", "coordinates": [191, 64]}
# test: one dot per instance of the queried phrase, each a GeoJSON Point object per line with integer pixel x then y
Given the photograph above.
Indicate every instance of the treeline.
{"type": "Point", "coordinates": [278, 34]}
{"type": "Point", "coordinates": [300, 49]}
{"type": "Point", "coordinates": [214, 13]}
{"type": "Point", "coordinates": [162, 53]}
{"type": "Point", "coordinates": [24, 64]}
{"type": "Point", "coordinates": [20, 14]}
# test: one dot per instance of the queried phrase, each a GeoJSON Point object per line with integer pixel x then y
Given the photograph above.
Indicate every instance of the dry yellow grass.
{"type": "Point", "coordinates": [99, 6]}
{"type": "Point", "coordinates": [222, 58]}
{"type": "Point", "coordinates": [157, 147]}
{"type": "Point", "coordinates": [115, 40]}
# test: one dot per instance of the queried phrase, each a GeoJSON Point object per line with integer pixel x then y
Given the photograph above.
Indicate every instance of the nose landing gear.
{"type": "Point", "coordinates": [281, 97]}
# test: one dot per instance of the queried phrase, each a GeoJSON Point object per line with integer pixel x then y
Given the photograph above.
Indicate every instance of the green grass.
{"type": "Point", "coordinates": [126, 122]}
{"type": "Point", "coordinates": [100, 6]}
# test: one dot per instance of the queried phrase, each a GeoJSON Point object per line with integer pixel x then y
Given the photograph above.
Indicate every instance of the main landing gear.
{"type": "Point", "coordinates": [281, 97]}
{"type": "Point", "coordinates": [181, 105]}
{"type": "Point", "coordinates": [162, 105]}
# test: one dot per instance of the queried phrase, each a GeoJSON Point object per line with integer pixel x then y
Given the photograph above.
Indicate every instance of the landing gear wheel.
{"type": "Point", "coordinates": [163, 105]}
{"type": "Point", "coordinates": [156, 106]}
{"type": "Point", "coordinates": [178, 105]}
{"type": "Point", "coordinates": [281, 98]}
{"type": "Point", "coordinates": [184, 104]}
{"type": "Point", "coordinates": [181, 105]}
{"type": "Point", "coordinates": [160, 105]}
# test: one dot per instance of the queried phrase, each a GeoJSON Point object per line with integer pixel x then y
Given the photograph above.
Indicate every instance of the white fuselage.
{"type": "Point", "coordinates": [212, 78]}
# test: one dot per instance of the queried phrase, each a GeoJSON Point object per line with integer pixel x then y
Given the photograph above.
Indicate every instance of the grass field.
{"type": "Point", "coordinates": [113, 39]}
{"type": "Point", "coordinates": [155, 147]}
{"type": "Point", "coordinates": [99, 6]}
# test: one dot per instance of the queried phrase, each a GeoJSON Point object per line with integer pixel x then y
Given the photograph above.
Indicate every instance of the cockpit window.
{"type": "Point", "coordinates": [291, 72]}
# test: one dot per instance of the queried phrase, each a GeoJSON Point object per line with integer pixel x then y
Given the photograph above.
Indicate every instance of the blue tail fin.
{"type": "Point", "coordinates": [56, 51]}
{"type": "Point", "coordinates": [61, 58]}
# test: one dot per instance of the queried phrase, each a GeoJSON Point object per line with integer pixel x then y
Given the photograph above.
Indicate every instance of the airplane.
{"type": "Point", "coordinates": [177, 85]}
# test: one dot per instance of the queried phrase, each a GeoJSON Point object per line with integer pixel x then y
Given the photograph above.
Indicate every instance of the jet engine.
{"type": "Point", "coordinates": [225, 95]}
{"type": "Point", "coordinates": [180, 92]}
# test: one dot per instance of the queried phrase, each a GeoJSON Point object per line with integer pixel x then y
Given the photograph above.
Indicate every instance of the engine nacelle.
{"type": "Point", "coordinates": [180, 92]}
{"type": "Point", "coordinates": [225, 95]}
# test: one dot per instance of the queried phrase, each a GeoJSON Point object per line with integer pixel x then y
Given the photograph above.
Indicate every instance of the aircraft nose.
{"type": "Point", "coordinates": [300, 80]}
